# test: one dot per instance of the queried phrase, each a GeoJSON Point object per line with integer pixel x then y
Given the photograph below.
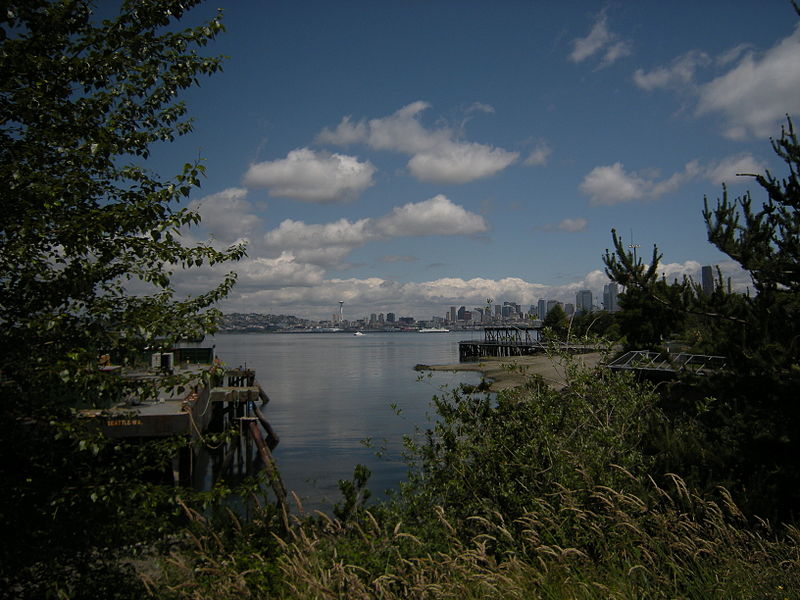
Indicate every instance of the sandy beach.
{"type": "Point", "coordinates": [512, 371]}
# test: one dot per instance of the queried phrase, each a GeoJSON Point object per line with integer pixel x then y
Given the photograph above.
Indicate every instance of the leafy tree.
{"type": "Point", "coordinates": [753, 424]}
{"type": "Point", "coordinates": [82, 101]}
{"type": "Point", "coordinates": [556, 321]}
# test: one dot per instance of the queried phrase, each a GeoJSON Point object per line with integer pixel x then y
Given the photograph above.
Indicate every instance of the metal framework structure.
{"type": "Point", "coordinates": [644, 360]}
{"type": "Point", "coordinates": [510, 335]}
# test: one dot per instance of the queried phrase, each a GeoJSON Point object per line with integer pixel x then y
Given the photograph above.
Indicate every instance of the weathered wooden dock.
{"type": "Point", "coordinates": [211, 400]}
{"type": "Point", "coordinates": [512, 340]}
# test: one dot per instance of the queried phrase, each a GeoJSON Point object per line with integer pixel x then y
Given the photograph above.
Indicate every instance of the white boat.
{"type": "Point", "coordinates": [358, 333]}
{"type": "Point", "coordinates": [434, 330]}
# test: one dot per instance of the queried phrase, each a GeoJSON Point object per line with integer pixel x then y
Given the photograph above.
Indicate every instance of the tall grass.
{"type": "Point", "coordinates": [534, 494]}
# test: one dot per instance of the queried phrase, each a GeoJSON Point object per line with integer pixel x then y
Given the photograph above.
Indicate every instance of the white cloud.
{"type": "Point", "coordinates": [419, 299]}
{"type": "Point", "coordinates": [679, 74]}
{"type": "Point", "coordinates": [568, 225]}
{"type": "Point", "coordinates": [436, 216]}
{"type": "Point", "coordinates": [437, 155]}
{"type": "Point", "coordinates": [296, 234]}
{"type": "Point", "coordinates": [728, 169]}
{"type": "Point", "coordinates": [573, 225]}
{"type": "Point", "coordinates": [312, 176]}
{"type": "Point", "coordinates": [539, 155]}
{"type": "Point", "coordinates": [226, 215]}
{"type": "Point", "coordinates": [600, 40]}
{"type": "Point", "coordinates": [753, 95]}
{"type": "Point", "coordinates": [325, 245]}
{"type": "Point", "coordinates": [615, 52]}
{"type": "Point", "coordinates": [329, 244]}
{"type": "Point", "coordinates": [612, 184]}
{"type": "Point", "coordinates": [756, 94]}
{"type": "Point", "coordinates": [459, 162]}
{"type": "Point", "coordinates": [284, 270]}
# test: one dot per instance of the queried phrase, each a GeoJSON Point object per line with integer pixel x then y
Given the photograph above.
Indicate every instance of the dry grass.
{"type": "Point", "coordinates": [596, 543]}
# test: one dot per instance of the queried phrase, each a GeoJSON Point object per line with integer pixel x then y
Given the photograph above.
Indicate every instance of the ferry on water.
{"type": "Point", "coordinates": [434, 330]}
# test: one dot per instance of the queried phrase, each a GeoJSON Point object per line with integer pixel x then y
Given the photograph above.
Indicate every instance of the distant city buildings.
{"type": "Point", "coordinates": [707, 279]}
{"type": "Point", "coordinates": [610, 293]}
{"type": "Point", "coordinates": [583, 301]}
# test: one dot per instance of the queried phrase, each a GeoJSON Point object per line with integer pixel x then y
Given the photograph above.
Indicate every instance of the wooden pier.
{"type": "Point", "coordinates": [213, 401]}
{"type": "Point", "coordinates": [512, 341]}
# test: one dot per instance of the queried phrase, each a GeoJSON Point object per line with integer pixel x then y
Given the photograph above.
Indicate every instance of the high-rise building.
{"type": "Point", "coordinates": [707, 277]}
{"type": "Point", "coordinates": [390, 317]}
{"type": "Point", "coordinates": [569, 309]}
{"type": "Point", "coordinates": [583, 301]}
{"type": "Point", "coordinates": [610, 302]}
{"type": "Point", "coordinates": [542, 308]}
{"type": "Point", "coordinates": [460, 313]}
{"type": "Point", "coordinates": [452, 314]}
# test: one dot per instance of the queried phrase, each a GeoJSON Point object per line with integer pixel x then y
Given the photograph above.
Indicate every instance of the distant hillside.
{"type": "Point", "coordinates": [257, 322]}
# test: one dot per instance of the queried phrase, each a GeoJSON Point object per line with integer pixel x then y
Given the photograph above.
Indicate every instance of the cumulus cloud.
{"type": "Point", "coordinates": [436, 216]}
{"type": "Point", "coordinates": [419, 299]}
{"type": "Point", "coordinates": [572, 225]}
{"type": "Point", "coordinates": [756, 94]}
{"type": "Point", "coordinates": [284, 270]}
{"type": "Point", "coordinates": [296, 234]}
{"type": "Point", "coordinates": [539, 155]}
{"type": "Point", "coordinates": [612, 184]}
{"type": "Point", "coordinates": [599, 41]}
{"type": "Point", "coordinates": [753, 95]}
{"type": "Point", "coordinates": [328, 244]}
{"type": "Point", "coordinates": [459, 162]}
{"type": "Point", "coordinates": [312, 176]}
{"type": "Point", "coordinates": [226, 215]}
{"type": "Point", "coordinates": [437, 155]}
{"type": "Point", "coordinates": [729, 170]}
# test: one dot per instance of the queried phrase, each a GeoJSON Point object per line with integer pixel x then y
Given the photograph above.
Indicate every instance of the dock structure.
{"type": "Point", "coordinates": [513, 340]}
{"type": "Point", "coordinates": [661, 365]}
{"type": "Point", "coordinates": [210, 400]}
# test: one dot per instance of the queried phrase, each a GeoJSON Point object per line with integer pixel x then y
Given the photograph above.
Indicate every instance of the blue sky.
{"type": "Point", "coordinates": [406, 156]}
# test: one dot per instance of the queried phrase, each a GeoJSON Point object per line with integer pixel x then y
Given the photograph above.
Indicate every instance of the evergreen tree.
{"type": "Point", "coordinates": [752, 425]}
{"type": "Point", "coordinates": [556, 321]}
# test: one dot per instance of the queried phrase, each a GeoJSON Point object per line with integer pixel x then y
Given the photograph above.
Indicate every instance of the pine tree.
{"type": "Point", "coordinates": [752, 426]}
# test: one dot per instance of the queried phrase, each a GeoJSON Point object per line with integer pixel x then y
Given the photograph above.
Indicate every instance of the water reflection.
{"type": "Point", "coordinates": [329, 392]}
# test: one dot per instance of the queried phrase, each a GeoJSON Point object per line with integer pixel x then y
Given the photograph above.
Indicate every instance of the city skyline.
{"type": "Point", "coordinates": [424, 154]}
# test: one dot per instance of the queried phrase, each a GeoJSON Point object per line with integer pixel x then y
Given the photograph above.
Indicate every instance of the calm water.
{"type": "Point", "coordinates": [330, 391]}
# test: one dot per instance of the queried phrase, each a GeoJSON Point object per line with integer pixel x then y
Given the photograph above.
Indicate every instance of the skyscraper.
{"type": "Point", "coordinates": [610, 292]}
{"type": "Point", "coordinates": [542, 308]}
{"type": "Point", "coordinates": [707, 278]}
{"type": "Point", "coordinates": [583, 301]}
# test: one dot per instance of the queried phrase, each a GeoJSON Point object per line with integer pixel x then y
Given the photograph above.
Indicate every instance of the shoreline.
{"type": "Point", "coordinates": [508, 372]}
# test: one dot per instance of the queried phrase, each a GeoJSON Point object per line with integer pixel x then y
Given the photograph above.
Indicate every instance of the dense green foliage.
{"type": "Point", "coordinates": [85, 222]}
{"type": "Point", "coordinates": [537, 494]}
{"type": "Point", "coordinates": [606, 489]}
{"type": "Point", "coordinates": [742, 425]}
